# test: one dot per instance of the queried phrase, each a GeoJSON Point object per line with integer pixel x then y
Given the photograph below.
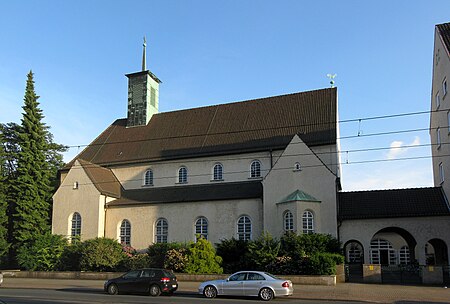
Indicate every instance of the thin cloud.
{"type": "Point", "coordinates": [398, 149]}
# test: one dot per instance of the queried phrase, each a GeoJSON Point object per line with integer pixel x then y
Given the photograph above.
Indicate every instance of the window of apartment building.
{"type": "Point", "coordinates": [288, 219]}
{"type": "Point", "coordinates": [441, 173]}
{"type": "Point", "coordinates": [218, 172]}
{"type": "Point", "coordinates": [308, 222]}
{"type": "Point", "coordinates": [125, 233]}
{"type": "Point", "coordinates": [161, 230]}
{"type": "Point", "coordinates": [438, 100]}
{"type": "Point", "coordinates": [438, 137]}
{"type": "Point", "coordinates": [148, 178]}
{"type": "Point", "coordinates": [201, 228]}
{"type": "Point", "coordinates": [244, 228]}
{"type": "Point", "coordinates": [448, 121]}
{"type": "Point", "coordinates": [182, 175]}
{"type": "Point", "coordinates": [255, 169]}
{"type": "Point", "coordinates": [76, 225]}
{"type": "Point", "coordinates": [444, 87]}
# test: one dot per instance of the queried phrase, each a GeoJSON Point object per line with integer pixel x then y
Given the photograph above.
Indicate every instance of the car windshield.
{"type": "Point", "coordinates": [272, 276]}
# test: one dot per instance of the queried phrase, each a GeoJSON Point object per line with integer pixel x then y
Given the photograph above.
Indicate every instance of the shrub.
{"type": "Point", "coordinates": [203, 258]}
{"type": "Point", "coordinates": [43, 253]}
{"type": "Point", "coordinates": [137, 260]}
{"type": "Point", "coordinates": [157, 252]}
{"type": "Point", "coordinates": [263, 251]}
{"type": "Point", "coordinates": [71, 257]}
{"type": "Point", "coordinates": [320, 264]}
{"type": "Point", "coordinates": [233, 254]}
{"type": "Point", "coordinates": [101, 254]}
{"type": "Point", "coordinates": [176, 259]}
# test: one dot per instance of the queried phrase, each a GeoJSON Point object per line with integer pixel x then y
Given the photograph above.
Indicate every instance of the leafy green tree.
{"type": "Point", "coordinates": [4, 244]}
{"type": "Point", "coordinates": [263, 251]}
{"type": "Point", "coordinates": [101, 254]}
{"type": "Point", "coordinates": [43, 253]}
{"type": "Point", "coordinates": [202, 258]}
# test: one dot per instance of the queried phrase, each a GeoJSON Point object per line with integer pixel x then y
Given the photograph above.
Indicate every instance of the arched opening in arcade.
{"type": "Point", "coordinates": [392, 246]}
{"type": "Point", "coordinates": [436, 252]}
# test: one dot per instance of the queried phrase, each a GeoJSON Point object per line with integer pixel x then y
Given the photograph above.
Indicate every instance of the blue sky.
{"type": "Point", "coordinates": [212, 52]}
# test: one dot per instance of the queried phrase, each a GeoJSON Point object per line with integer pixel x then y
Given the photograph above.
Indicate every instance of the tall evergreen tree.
{"type": "Point", "coordinates": [32, 185]}
{"type": "Point", "coordinates": [4, 244]}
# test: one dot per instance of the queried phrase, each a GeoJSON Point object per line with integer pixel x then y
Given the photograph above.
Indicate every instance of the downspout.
{"type": "Point", "coordinates": [104, 220]}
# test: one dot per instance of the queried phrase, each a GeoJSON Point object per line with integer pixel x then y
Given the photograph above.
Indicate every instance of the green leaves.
{"type": "Point", "coordinates": [42, 254]}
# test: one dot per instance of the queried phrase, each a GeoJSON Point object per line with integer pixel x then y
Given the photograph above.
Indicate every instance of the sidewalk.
{"type": "Point", "coordinates": [344, 292]}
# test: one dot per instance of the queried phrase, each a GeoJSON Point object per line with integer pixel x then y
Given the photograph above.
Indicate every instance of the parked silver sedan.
{"type": "Point", "coordinates": [248, 283]}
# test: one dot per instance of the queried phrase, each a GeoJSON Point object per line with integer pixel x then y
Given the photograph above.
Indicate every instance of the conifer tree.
{"type": "Point", "coordinates": [32, 185]}
{"type": "Point", "coordinates": [4, 245]}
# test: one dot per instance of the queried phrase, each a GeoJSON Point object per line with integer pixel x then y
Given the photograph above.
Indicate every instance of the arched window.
{"type": "Point", "coordinates": [201, 228]}
{"type": "Point", "coordinates": [76, 225]}
{"type": "Point", "coordinates": [161, 230]}
{"type": "Point", "coordinates": [125, 233]}
{"type": "Point", "coordinates": [148, 178]}
{"type": "Point", "coordinates": [308, 222]}
{"type": "Point", "coordinates": [288, 220]}
{"type": "Point", "coordinates": [255, 169]}
{"type": "Point", "coordinates": [297, 167]}
{"type": "Point", "coordinates": [218, 172]}
{"type": "Point", "coordinates": [244, 228]}
{"type": "Point", "coordinates": [354, 253]}
{"type": "Point", "coordinates": [182, 175]}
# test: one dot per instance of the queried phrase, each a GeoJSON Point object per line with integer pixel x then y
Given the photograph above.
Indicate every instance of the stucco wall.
{"type": "Point", "coordinates": [200, 170]}
{"type": "Point", "coordinates": [314, 179]}
{"type": "Point", "coordinates": [421, 228]}
{"type": "Point", "coordinates": [222, 219]}
{"type": "Point", "coordinates": [441, 71]}
{"type": "Point", "coordinates": [86, 200]}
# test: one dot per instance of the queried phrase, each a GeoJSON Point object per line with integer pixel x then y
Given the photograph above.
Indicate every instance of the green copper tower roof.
{"type": "Point", "coordinates": [299, 195]}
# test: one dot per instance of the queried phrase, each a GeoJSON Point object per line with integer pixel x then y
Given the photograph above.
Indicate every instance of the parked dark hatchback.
{"type": "Point", "coordinates": [148, 280]}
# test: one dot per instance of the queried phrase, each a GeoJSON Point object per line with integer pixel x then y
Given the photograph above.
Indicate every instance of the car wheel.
{"type": "Point", "coordinates": [210, 292]}
{"type": "Point", "coordinates": [112, 289]}
{"type": "Point", "coordinates": [266, 294]}
{"type": "Point", "coordinates": [155, 290]}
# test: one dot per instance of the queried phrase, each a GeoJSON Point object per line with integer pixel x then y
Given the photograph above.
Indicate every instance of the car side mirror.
{"type": "Point", "coordinates": [228, 279]}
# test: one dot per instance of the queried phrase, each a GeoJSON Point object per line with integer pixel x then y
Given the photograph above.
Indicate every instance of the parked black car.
{"type": "Point", "coordinates": [150, 281]}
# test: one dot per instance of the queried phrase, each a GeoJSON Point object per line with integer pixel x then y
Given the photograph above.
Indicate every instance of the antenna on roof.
{"type": "Point", "coordinates": [144, 55]}
{"type": "Point", "coordinates": [331, 79]}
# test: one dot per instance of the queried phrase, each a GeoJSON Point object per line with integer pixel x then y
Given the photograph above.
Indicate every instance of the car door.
{"type": "Point", "coordinates": [234, 285]}
{"type": "Point", "coordinates": [253, 284]}
{"type": "Point", "coordinates": [128, 282]}
{"type": "Point", "coordinates": [143, 282]}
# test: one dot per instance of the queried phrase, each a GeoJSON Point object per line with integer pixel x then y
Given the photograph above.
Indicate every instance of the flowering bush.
{"type": "Point", "coordinates": [176, 259]}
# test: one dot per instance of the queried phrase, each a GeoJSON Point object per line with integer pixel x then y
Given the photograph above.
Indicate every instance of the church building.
{"type": "Point", "coordinates": [230, 170]}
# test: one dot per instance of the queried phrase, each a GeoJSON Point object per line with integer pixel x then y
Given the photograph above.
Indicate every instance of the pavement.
{"type": "Point", "coordinates": [375, 293]}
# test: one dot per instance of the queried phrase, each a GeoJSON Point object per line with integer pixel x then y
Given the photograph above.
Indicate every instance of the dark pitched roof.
{"type": "Point", "coordinates": [392, 203]}
{"type": "Point", "coordinates": [103, 179]}
{"type": "Point", "coordinates": [238, 127]}
{"type": "Point", "coordinates": [444, 30]}
{"type": "Point", "coordinates": [191, 193]}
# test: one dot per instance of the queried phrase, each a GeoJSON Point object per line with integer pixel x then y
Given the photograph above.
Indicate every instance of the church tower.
{"type": "Point", "coordinates": [143, 95]}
